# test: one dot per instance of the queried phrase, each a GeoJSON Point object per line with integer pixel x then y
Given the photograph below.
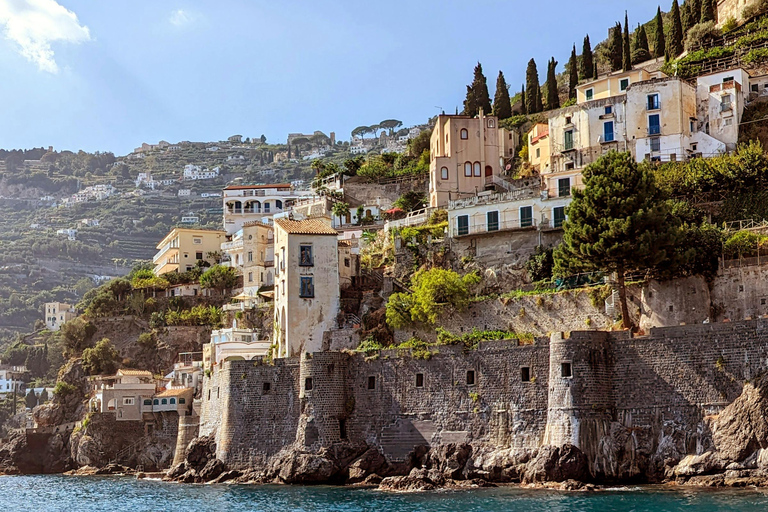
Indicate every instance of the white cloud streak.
{"type": "Point", "coordinates": [180, 18]}
{"type": "Point", "coordinates": [33, 25]}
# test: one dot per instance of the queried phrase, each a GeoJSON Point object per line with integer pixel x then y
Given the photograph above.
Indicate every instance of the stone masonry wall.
{"type": "Point", "coordinates": [646, 392]}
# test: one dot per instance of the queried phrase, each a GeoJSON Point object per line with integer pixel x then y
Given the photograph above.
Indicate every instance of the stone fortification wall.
{"type": "Point", "coordinates": [628, 403]}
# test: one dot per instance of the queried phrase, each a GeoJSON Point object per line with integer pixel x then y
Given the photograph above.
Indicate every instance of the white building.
{"type": "Point", "coordinates": [70, 233]}
{"type": "Point", "coordinates": [12, 378]}
{"type": "Point", "coordinates": [195, 172]}
{"type": "Point", "coordinates": [234, 343]}
{"type": "Point", "coordinates": [306, 284]}
{"type": "Point", "coordinates": [251, 203]}
{"type": "Point", "coordinates": [57, 314]}
{"type": "Point", "coordinates": [185, 192]}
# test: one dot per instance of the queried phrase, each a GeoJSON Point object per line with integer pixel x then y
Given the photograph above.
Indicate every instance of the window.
{"type": "Point", "coordinates": [372, 382]}
{"type": "Point", "coordinates": [157, 401]}
{"type": "Point", "coordinates": [467, 169]}
{"type": "Point", "coordinates": [623, 84]}
{"type": "Point", "coordinates": [250, 256]}
{"type": "Point", "coordinates": [728, 122]}
{"type": "Point", "coordinates": [266, 207]}
{"type": "Point", "coordinates": [470, 377]}
{"type": "Point", "coordinates": [525, 374]}
{"type": "Point", "coordinates": [182, 401]}
{"type": "Point", "coordinates": [725, 103]}
{"type": "Point", "coordinates": [308, 384]}
{"type": "Point", "coordinates": [655, 144]}
{"type": "Point", "coordinates": [128, 401]}
{"type": "Point", "coordinates": [693, 127]}
{"type": "Point", "coordinates": [173, 401]}
{"type": "Point", "coordinates": [564, 187]}
{"type": "Point", "coordinates": [265, 387]}
{"type": "Point", "coordinates": [568, 120]}
{"type": "Point", "coordinates": [755, 88]}
{"type": "Point", "coordinates": [565, 370]}
{"type": "Point", "coordinates": [568, 140]}
{"type": "Point", "coordinates": [419, 380]}
{"type": "Point", "coordinates": [307, 288]}
{"type": "Point", "coordinates": [342, 428]}
{"type": "Point", "coordinates": [197, 241]}
{"type": "Point", "coordinates": [346, 262]}
{"type": "Point", "coordinates": [590, 93]}
{"type": "Point", "coordinates": [477, 169]}
{"type": "Point", "coordinates": [559, 214]}
{"type": "Point", "coordinates": [608, 132]}
{"type": "Point", "coordinates": [609, 110]}
{"type": "Point", "coordinates": [250, 277]}
{"type": "Point", "coordinates": [444, 173]}
{"type": "Point", "coordinates": [198, 255]}
{"type": "Point", "coordinates": [538, 152]}
{"type": "Point", "coordinates": [164, 401]}
{"type": "Point", "coordinates": [728, 79]}
{"type": "Point", "coordinates": [462, 225]}
{"type": "Point", "coordinates": [464, 134]}
{"type": "Point", "coordinates": [653, 102]}
{"type": "Point", "coordinates": [493, 221]}
{"type": "Point", "coordinates": [654, 124]}
{"type": "Point", "coordinates": [305, 256]}
{"type": "Point", "coordinates": [491, 123]}
{"type": "Point", "coordinates": [526, 216]}
{"type": "Point", "coordinates": [148, 402]}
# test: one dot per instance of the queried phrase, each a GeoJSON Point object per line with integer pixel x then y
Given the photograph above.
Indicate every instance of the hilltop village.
{"type": "Point", "coordinates": [510, 294]}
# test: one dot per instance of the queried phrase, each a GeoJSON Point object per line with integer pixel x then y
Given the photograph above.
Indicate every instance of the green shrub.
{"type": "Point", "coordinates": [730, 25]}
{"type": "Point", "coordinates": [744, 244]}
{"type": "Point", "coordinates": [63, 389]}
{"type": "Point", "coordinates": [700, 33]}
{"type": "Point", "coordinates": [756, 56]}
{"type": "Point", "coordinates": [101, 359]}
{"type": "Point", "coordinates": [756, 8]}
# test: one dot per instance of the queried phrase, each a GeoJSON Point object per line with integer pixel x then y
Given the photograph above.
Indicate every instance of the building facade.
{"type": "Point", "coordinates": [251, 203]}
{"type": "Point", "coordinates": [183, 248]}
{"type": "Point", "coordinates": [57, 314]}
{"type": "Point", "coordinates": [306, 284]}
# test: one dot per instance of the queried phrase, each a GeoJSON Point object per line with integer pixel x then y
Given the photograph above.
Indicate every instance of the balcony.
{"type": "Point", "coordinates": [493, 227]}
{"type": "Point", "coordinates": [232, 246]}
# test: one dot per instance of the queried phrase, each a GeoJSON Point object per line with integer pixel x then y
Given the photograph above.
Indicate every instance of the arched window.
{"type": "Point", "coordinates": [464, 134]}
{"type": "Point", "coordinates": [444, 173]}
{"type": "Point", "coordinates": [156, 402]}
{"type": "Point", "coordinates": [278, 204]}
{"type": "Point", "coordinates": [468, 169]}
{"type": "Point", "coordinates": [477, 170]}
{"type": "Point", "coordinates": [165, 401]}
{"type": "Point", "coordinates": [173, 401]}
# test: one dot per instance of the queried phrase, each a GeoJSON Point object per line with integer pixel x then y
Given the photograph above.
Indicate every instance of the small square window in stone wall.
{"type": "Point", "coordinates": [470, 377]}
{"type": "Point", "coordinates": [525, 374]}
{"type": "Point", "coordinates": [419, 380]}
{"type": "Point", "coordinates": [371, 382]}
{"type": "Point", "coordinates": [308, 384]}
{"type": "Point", "coordinates": [565, 370]}
{"type": "Point", "coordinates": [265, 387]}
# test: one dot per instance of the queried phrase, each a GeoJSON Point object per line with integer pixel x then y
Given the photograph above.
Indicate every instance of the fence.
{"type": "Point", "coordinates": [415, 218]}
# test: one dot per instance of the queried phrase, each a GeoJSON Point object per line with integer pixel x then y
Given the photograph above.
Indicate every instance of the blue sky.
{"type": "Point", "coordinates": [109, 74]}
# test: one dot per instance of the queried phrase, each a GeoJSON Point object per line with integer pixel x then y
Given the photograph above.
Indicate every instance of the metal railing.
{"type": "Point", "coordinates": [414, 218]}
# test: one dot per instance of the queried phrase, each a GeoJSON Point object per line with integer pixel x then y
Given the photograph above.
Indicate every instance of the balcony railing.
{"type": "Point", "coordinates": [493, 227]}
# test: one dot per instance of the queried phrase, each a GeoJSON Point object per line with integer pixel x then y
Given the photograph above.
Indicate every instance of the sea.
{"type": "Point", "coordinates": [126, 494]}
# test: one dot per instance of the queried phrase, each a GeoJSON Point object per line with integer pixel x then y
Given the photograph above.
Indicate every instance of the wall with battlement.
{"type": "Point", "coordinates": [582, 388]}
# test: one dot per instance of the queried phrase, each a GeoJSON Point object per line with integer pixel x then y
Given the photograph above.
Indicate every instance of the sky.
{"type": "Point", "coordinates": [107, 75]}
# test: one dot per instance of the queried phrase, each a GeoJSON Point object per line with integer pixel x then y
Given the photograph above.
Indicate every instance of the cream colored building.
{"type": "Point", "coordinates": [250, 251]}
{"type": "Point", "coordinates": [57, 314]}
{"type": "Point", "coordinates": [123, 394]}
{"type": "Point", "coordinates": [613, 84]}
{"type": "Point", "coordinates": [539, 147]}
{"type": "Point", "coordinates": [721, 98]}
{"type": "Point", "coordinates": [467, 155]}
{"type": "Point", "coordinates": [182, 248]}
{"type": "Point", "coordinates": [306, 284]}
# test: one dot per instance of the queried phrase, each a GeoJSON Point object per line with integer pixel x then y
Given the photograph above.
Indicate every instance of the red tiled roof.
{"type": "Point", "coordinates": [252, 187]}
{"type": "Point", "coordinates": [306, 227]}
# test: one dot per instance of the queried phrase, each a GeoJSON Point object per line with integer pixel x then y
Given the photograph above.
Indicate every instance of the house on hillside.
{"type": "Point", "coordinates": [183, 248]}
{"type": "Point", "coordinates": [123, 394]}
{"type": "Point", "coordinates": [57, 314]}
{"type": "Point", "coordinates": [251, 203]}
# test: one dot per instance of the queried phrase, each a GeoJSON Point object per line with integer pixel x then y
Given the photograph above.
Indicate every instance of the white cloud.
{"type": "Point", "coordinates": [180, 17]}
{"type": "Point", "coordinates": [34, 24]}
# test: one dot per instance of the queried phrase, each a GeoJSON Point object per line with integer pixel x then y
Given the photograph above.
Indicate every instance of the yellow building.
{"type": "Point", "coordinates": [182, 248]}
{"type": "Point", "coordinates": [539, 147]}
{"type": "Point", "coordinates": [467, 155]}
{"type": "Point", "coordinates": [613, 84]}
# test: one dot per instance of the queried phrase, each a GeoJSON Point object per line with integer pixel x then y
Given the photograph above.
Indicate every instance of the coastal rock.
{"type": "Point", "coordinates": [450, 459]}
{"type": "Point", "coordinates": [556, 464]}
{"type": "Point", "coordinates": [199, 452]}
{"type": "Point", "coordinates": [742, 427]}
{"type": "Point", "coordinates": [370, 463]}
{"type": "Point", "coordinates": [48, 415]}
{"type": "Point", "coordinates": [212, 470]}
{"type": "Point", "coordinates": [307, 468]}
{"type": "Point", "coordinates": [406, 484]}
{"type": "Point", "coordinates": [703, 464]}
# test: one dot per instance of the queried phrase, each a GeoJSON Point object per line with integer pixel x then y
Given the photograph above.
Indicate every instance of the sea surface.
{"type": "Point", "coordinates": [118, 494]}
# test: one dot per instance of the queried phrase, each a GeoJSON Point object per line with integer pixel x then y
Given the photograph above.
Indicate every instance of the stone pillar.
{"type": "Point", "coordinates": [324, 407]}
{"type": "Point", "coordinates": [188, 429]}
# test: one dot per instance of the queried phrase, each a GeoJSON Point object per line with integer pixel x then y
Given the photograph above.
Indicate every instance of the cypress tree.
{"type": "Point", "coordinates": [480, 86]}
{"type": "Point", "coordinates": [686, 19]}
{"type": "Point", "coordinates": [619, 223]}
{"type": "Point", "coordinates": [594, 72]}
{"type": "Point", "coordinates": [533, 96]}
{"type": "Point", "coordinates": [587, 59]}
{"type": "Point", "coordinates": [470, 103]}
{"type": "Point", "coordinates": [573, 74]}
{"type": "Point", "coordinates": [707, 11]}
{"type": "Point", "coordinates": [641, 39]}
{"type": "Point", "coordinates": [553, 97]}
{"type": "Point", "coordinates": [626, 60]}
{"type": "Point", "coordinates": [523, 105]}
{"type": "Point", "coordinates": [659, 46]}
{"type": "Point", "coordinates": [676, 34]}
{"type": "Point", "coordinates": [502, 106]}
{"type": "Point", "coordinates": [615, 50]}
{"type": "Point", "coordinates": [695, 9]}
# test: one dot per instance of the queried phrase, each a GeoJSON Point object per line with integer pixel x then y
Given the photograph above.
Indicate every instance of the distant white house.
{"type": "Point", "coordinates": [70, 233]}
{"type": "Point", "coordinates": [185, 192]}
{"type": "Point", "coordinates": [212, 148]}
{"type": "Point", "coordinates": [89, 222]}
{"type": "Point", "coordinates": [210, 194]}
{"type": "Point", "coordinates": [195, 172]}
{"type": "Point", "coordinates": [190, 220]}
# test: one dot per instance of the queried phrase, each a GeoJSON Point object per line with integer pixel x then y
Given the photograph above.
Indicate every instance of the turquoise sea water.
{"type": "Point", "coordinates": [74, 494]}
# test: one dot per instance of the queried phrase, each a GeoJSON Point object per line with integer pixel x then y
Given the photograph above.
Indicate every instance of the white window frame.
{"type": "Point", "coordinates": [477, 170]}
{"type": "Point", "coordinates": [129, 400]}
{"type": "Point", "coordinates": [622, 88]}
{"type": "Point", "coordinates": [444, 173]}
{"type": "Point", "coordinates": [467, 169]}
{"type": "Point", "coordinates": [498, 221]}
{"type": "Point", "coordinates": [589, 94]}
{"type": "Point", "coordinates": [520, 215]}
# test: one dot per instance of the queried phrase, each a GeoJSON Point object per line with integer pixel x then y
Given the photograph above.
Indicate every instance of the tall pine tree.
{"type": "Point", "coordinates": [533, 89]}
{"type": "Point", "coordinates": [477, 94]}
{"type": "Point", "coordinates": [708, 11]}
{"type": "Point", "coordinates": [524, 105]}
{"type": "Point", "coordinates": [615, 50]}
{"type": "Point", "coordinates": [502, 107]}
{"type": "Point", "coordinates": [641, 39]}
{"type": "Point", "coordinates": [659, 45]}
{"type": "Point", "coordinates": [626, 61]}
{"type": "Point", "coordinates": [553, 97]}
{"type": "Point", "coordinates": [586, 71]}
{"type": "Point", "coordinates": [573, 74]}
{"type": "Point", "coordinates": [676, 32]}
{"type": "Point", "coordinates": [686, 19]}
{"type": "Point", "coordinates": [619, 223]}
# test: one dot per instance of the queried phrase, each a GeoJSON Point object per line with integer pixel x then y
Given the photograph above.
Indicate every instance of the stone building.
{"type": "Point", "coordinates": [467, 155]}
{"type": "Point", "coordinates": [306, 284]}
